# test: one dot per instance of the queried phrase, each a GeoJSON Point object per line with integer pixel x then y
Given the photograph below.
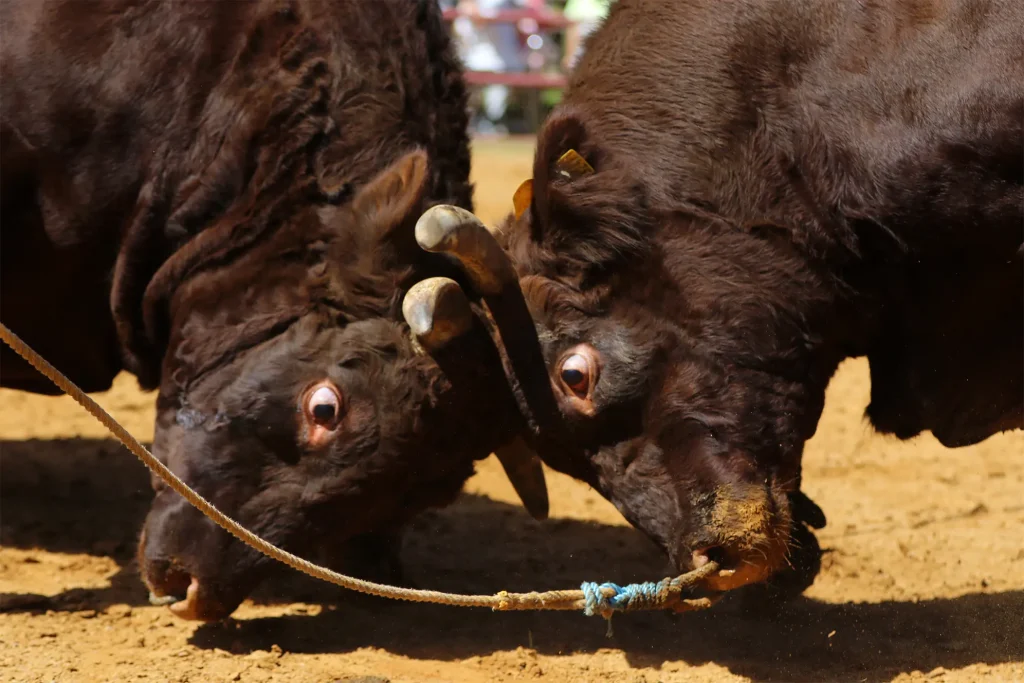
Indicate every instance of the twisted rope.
{"type": "Point", "coordinates": [609, 597]}
{"type": "Point", "coordinates": [593, 599]}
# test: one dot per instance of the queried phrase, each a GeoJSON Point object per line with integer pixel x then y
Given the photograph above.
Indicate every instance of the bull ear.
{"type": "Point", "coordinates": [394, 198]}
{"type": "Point", "coordinates": [587, 206]}
{"type": "Point", "coordinates": [563, 134]}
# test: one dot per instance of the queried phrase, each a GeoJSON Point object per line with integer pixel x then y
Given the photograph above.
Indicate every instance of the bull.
{"type": "Point", "coordinates": [730, 200]}
{"type": "Point", "coordinates": [220, 198]}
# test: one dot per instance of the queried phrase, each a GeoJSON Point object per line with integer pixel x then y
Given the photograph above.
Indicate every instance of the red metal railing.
{"type": "Point", "coordinates": [522, 79]}
{"type": "Point", "coordinates": [545, 19]}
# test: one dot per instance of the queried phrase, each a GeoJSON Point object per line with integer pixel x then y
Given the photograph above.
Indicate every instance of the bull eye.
{"type": "Point", "coordinates": [576, 374]}
{"type": "Point", "coordinates": [323, 406]}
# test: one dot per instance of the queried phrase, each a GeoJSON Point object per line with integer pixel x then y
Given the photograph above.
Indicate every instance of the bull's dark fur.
{"type": "Point", "coordinates": [779, 185]}
{"type": "Point", "coordinates": [130, 128]}
{"type": "Point", "coordinates": [200, 193]}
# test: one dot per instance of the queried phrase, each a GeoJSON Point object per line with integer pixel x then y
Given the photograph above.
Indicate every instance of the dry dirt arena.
{"type": "Point", "coordinates": [923, 569]}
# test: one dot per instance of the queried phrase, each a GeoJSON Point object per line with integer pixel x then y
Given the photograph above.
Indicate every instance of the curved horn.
{"type": "Point", "coordinates": [524, 470]}
{"type": "Point", "coordinates": [453, 230]}
{"type": "Point", "coordinates": [461, 235]}
{"type": "Point", "coordinates": [438, 312]}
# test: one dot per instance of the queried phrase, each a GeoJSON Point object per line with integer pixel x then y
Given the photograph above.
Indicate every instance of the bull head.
{"type": "Point", "coordinates": [600, 333]}
{"type": "Point", "coordinates": [294, 398]}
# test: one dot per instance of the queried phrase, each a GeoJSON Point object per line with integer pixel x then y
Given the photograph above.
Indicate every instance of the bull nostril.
{"type": "Point", "coordinates": [166, 580]}
{"type": "Point", "coordinates": [713, 553]}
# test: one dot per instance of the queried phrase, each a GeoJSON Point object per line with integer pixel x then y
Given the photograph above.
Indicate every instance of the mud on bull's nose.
{"type": "Point", "coordinates": [749, 530]}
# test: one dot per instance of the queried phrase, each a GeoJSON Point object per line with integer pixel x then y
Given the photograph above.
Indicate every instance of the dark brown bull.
{"type": "Point", "coordinates": [731, 199]}
{"type": "Point", "coordinates": [220, 198]}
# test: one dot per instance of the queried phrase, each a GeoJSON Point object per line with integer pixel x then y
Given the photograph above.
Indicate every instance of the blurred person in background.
{"type": "Point", "coordinates": [586, 16]}
{"type": "Point", "coordinates": [489, 47]}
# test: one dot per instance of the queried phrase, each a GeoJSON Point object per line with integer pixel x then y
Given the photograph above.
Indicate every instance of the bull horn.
{"type": "Point", "coordinates": [457, 232]}
{"type": "Point", "coordinates": [437, 311]}
{"type": "Point", "coordinates": [524, 470]}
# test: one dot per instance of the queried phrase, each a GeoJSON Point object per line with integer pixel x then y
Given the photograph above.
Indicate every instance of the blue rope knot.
{"type": "Point", "coordinates": [634, 596]}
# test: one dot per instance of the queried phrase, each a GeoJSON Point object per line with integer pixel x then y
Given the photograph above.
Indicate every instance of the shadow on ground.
{"type": "Point", "coordinates": [90, 496]}
{"type": "Point", "coordinates": [868, 642]}
{"type": "Point", "coordinates": [85, 496]}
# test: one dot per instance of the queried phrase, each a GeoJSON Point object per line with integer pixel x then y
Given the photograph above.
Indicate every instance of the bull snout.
{"type": "Point", "coordinates": [739, 567]}
{"type": "Point", "coordinates": [165, 579]}
{"type": "Point", "coordinates": [745, 529]}
{"type": "Point", "coordinates": [182, 562]}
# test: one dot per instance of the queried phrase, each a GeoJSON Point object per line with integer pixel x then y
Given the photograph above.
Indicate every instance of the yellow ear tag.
{"type": "Point", "coordinates": [522, 198]}
{"type": "Point", "coordinates": [572, 165]}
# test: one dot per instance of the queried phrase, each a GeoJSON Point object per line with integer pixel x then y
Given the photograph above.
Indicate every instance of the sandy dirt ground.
{"type": "Point", "coordinates": [923, 573]}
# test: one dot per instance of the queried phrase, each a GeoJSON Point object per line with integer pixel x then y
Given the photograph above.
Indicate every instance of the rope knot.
{"type": "Point", "coordinates": [608, 598]}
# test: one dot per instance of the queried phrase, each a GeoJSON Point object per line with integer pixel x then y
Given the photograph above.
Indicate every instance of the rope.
{"type": "Point", "coordinates": [593, 599]}
{"type": "Point", "coordinates": [609, 597]}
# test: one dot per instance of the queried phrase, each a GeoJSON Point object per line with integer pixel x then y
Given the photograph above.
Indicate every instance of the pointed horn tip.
{"type": "Point", "coordinates": [458, 233]}
{"type": "Point", "coordinates": [437, 311]}
{"type": "Point", "coordinates": [539, 510]}
{"type": "Point", "coordinates": [526, 473]}
{"type": "Point", "coordinates": [436, 228]}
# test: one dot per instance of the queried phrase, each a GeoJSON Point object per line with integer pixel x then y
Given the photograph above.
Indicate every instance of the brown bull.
{"type": "Point", "coordinates": [220, 198]}
{"type": "Point", "coordinates": [732, 198]}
